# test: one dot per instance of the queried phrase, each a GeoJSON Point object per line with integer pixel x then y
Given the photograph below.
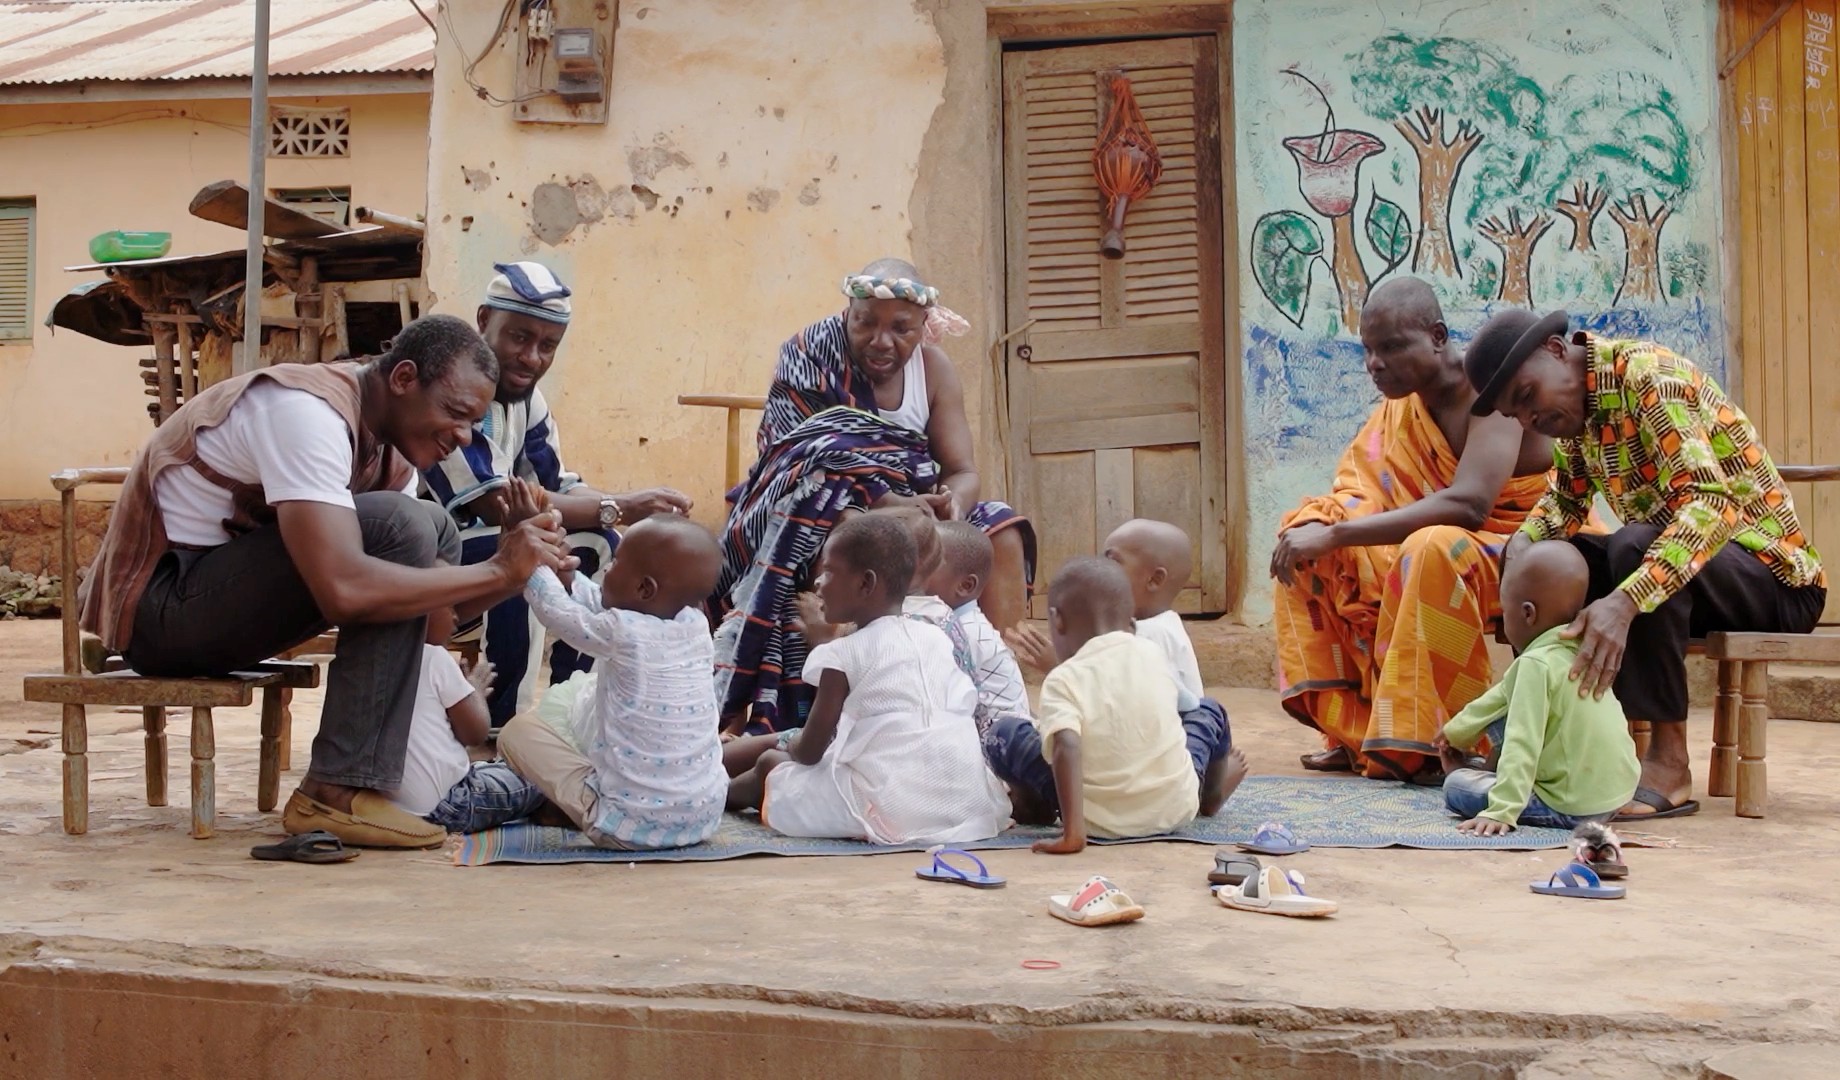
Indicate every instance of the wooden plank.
{"type": "Point", "coordinates": [1169, 489]}
{"type": "Point", "coordinates": [1114, 492]}
{"type": "Point", "coordinates": [1219, 582]}
{"type": "Point", "coordinates": [1817, 648]}
{"type": "Point", "coordinates": [226, 202]}
{"type": "Point", "coordinates": [1773, 421]}
{"type": "Point", "coordinates": [1821, 108]}
{"type": "Point", "coordinates": [127, 688]}
{"type": "Point", "coordinates": [1118, 387]}
{"type": "Point", "coordinates": [1754, 385]}
{"type": "Point", "coordinates": [1796, 442]}
{"type": "Point", "coordinates": [1023, 482]}
{"type": "Point", "coordinates": [1066, 436]}
{"type": "Point", "coordinates": [1065, 509]}
{"type": "Point", "coordinates": [1050, 347]}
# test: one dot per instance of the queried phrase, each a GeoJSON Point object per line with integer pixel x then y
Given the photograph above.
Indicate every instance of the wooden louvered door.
{"type": "Point", "coordinates": [1117, 391]}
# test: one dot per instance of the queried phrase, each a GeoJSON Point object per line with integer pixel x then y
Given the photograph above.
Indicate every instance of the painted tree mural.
{"type": "Point", "coordinates": [1449, 98]}
{"type": "Point", "coordinates": [1628, 147]}
{"type": "Point", "coordinates": [1501, 162]}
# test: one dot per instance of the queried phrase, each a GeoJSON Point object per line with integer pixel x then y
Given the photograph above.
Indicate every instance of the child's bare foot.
{"type": "Point", "coordinates": [1222, 780]}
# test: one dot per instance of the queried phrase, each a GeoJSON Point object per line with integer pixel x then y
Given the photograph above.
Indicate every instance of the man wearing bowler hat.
{"type": "Point", "coordinates": [1710, 539]}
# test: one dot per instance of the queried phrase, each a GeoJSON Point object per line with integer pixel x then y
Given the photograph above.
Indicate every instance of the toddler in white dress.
{"type": "Point", "coordinates": [889, 752]}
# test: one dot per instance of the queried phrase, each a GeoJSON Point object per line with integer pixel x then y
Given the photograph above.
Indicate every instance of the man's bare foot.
{"type": "Point", "coordinates": [1666, 770]}
{"type": "Point", "coordinates": [337, 796]}
{"type": "Point", "coordinates": [1222, 780]}
{"type": "Point", "coordinates": [1336, 760]}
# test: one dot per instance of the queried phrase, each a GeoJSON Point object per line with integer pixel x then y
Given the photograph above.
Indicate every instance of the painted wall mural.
{"type": "Point", "coordinates": [1550, 154]}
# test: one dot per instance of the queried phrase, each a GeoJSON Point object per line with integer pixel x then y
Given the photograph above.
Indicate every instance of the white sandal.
{"type": "Point", "coordinates": [1098, 903]}
{"type": "Point", "coordinates": [1275, 892]}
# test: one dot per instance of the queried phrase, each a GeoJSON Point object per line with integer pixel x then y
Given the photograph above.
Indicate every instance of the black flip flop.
{"type": "Point", "coordinates": [310, 847]}
{"type": "Point", "coordinates": [1663, 808]}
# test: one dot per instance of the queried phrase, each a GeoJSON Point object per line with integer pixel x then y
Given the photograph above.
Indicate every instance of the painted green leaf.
{"type": "Point", "coordinates": [1285, 247]}
{"type": "Point", "coordinates": [1389, 231]}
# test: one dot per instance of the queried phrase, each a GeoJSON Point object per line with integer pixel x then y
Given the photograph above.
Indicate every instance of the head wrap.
{"type": "Point", "coordinates": [940, 320]}
{"type": "Point", "coordinates": [528, 288]}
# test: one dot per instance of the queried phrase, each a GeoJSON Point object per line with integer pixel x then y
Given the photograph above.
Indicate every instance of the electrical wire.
{"type": "Point", "coordinates": [473, 61]}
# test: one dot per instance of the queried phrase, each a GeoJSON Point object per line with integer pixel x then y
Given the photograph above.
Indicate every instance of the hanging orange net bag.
{"type": "Point", "coordinates": [1125, 162]}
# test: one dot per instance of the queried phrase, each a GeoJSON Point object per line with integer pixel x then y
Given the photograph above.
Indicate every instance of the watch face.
{"type": "Point", "coordinates": [610, 513]}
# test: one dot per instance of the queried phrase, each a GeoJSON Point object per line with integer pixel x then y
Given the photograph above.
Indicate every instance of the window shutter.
{"type": "Point", "coordinates": [1064, 208]}
{"type": "Point", "coordinates": [15, 273]}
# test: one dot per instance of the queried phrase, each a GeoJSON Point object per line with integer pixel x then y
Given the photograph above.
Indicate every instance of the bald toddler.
{"type": "Point", "coordinates": [1562, 758]}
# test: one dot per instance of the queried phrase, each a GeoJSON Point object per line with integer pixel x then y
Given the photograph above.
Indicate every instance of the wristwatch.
{"type": "Point", "coordinates": [610, 513]}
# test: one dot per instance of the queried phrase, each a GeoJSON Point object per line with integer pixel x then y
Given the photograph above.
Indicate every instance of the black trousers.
{"type": "Point", "coordinates": [1733, 592]}
{"type": "Point", "coordinates": [217, 611]}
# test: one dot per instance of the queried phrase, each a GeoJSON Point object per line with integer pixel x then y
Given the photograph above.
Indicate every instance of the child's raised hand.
{"type": "Point", "coordinates": [1032, 647]}
{"type": "Point", "coordinates": [810, 622]}
{"type": "Point", "coordinates": [1482, 826]}
{"type": "Point", "coordinates": [482, 675]}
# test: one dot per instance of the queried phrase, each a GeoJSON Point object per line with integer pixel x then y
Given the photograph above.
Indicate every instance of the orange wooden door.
{"type": "Point", "coordinates": [1783, 114]}
{"type": "Point", "coordinates": [1117, 391]}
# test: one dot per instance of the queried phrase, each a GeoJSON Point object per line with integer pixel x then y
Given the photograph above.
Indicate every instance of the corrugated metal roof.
{"type": "Point", "coordinates": [54, 41]}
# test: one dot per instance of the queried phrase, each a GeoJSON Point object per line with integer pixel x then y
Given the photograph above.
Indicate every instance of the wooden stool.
{"type": "Point", "coordinates": [76, 689]}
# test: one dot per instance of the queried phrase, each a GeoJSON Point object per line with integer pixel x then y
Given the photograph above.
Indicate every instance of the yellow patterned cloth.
{"type": "Point", "coordinates": [1666, 447]}
{"type": "Point", "coordinates": [1379, 646]}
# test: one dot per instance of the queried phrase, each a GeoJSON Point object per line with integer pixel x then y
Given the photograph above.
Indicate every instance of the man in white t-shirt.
{"type": "Point", "coordinates": [275, 505]}
{"type": "Point", "coordinates": [524, 317]}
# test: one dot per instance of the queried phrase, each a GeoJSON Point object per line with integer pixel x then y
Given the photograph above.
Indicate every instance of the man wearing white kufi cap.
{"type": "Point", "coordinates": [524, 317]}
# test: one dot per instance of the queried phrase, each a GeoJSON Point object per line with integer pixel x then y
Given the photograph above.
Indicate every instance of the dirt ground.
{"type": "Point", "coordinates": [1725, 946]}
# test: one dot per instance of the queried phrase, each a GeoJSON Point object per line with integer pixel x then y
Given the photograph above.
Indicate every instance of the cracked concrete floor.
{"type": "Point", "coordinates": [1725, 940]}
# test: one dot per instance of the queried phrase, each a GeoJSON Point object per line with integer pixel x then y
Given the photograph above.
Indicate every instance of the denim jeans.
{"type": "Point", "coordinates": [489, 795]}
{"type": "Point", "coordinates": [1466, 794]}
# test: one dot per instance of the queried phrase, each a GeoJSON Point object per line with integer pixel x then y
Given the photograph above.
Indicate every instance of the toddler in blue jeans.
{"type": "Point", "coordinates": [1562, 758]}
{"type": "Point", "coordinates": [440, 780]}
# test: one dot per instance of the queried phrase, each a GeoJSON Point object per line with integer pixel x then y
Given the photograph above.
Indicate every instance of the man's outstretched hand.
{"type": "Point", "coordinates": [536, 542]}
{"type": "Point", "coordinates": [638, 505]}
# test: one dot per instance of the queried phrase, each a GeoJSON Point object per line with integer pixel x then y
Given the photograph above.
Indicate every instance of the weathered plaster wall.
{"type": "Point", "coordinates": [1553, 95]}
{"type": "Point", "coordinates": [754, 154]}
{"type": "Point", "coordinates": [70, 400]}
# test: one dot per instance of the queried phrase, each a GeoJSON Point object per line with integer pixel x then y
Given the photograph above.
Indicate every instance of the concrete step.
{"type": "Point", "coordinates": [1233, 654]}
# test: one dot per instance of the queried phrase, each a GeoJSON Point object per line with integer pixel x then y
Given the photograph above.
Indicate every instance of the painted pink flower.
{"type": "Point", "coordinates": [1327, 167]}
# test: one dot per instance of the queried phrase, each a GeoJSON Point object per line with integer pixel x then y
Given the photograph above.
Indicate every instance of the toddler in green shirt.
{"type": "Point", "coordinates": [1561, 758]}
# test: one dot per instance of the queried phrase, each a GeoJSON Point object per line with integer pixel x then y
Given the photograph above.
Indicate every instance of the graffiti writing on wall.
{"type": "Point", "coordinates": [1500, 161]}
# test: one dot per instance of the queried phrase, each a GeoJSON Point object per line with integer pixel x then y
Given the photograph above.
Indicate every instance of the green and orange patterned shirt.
{"type": "Point", "coordinates": [1666, 447]}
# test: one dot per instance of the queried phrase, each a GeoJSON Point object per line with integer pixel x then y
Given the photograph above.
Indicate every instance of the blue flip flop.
{"type": "Point", "coordinates": [1578, 880]}
{"type": "Point", "coordinates": [1274, 838]}
{"type": "Point", "coordinates": [941, 870]}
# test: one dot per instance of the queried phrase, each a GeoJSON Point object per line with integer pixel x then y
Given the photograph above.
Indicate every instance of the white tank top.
{"type": "Point", "coordinates": [913, 412]}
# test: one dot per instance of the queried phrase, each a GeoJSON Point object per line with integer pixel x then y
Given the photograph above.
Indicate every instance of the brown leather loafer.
{"type": "Point", "coordinates": [374, 822]}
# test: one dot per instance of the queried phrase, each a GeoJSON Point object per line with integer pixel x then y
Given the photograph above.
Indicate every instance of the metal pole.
{"type": "Point", "coordinates": [251, 357]}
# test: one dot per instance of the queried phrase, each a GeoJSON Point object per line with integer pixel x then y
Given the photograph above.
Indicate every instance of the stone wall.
{"type": "Point", "coordinates": [29, 534]}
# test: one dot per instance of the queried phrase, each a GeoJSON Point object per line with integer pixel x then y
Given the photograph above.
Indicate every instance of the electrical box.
{"type": "Point", "coordinates": [565, 60]}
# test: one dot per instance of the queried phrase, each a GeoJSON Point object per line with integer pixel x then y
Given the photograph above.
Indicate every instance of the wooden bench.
{"type": "Point", "coordinates": [77, 689]}
{"type": "Point", "coordinates": [735, 404]}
